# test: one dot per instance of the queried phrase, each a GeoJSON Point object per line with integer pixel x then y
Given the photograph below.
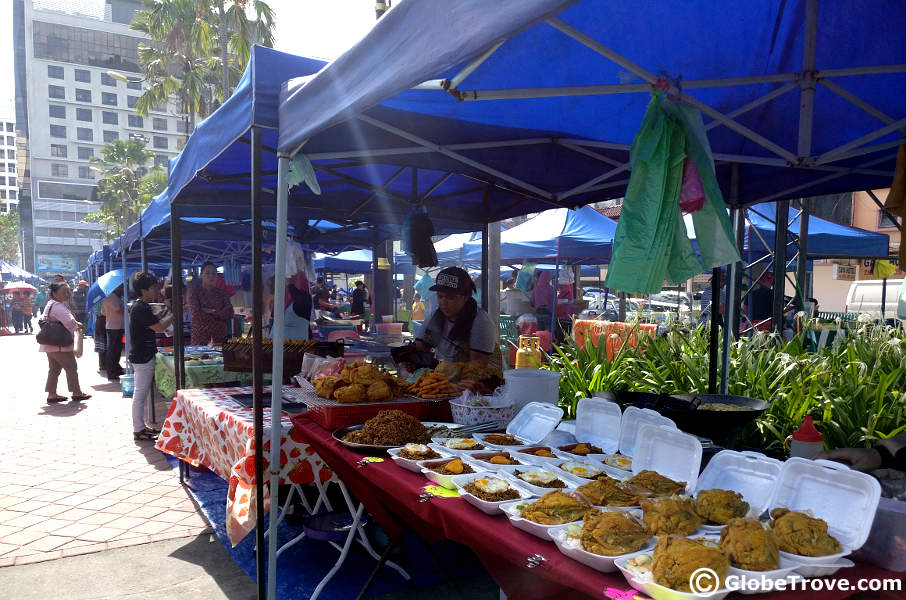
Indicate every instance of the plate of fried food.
{"type": "Point", "coordinates": [602, 537]}
{"type": "Point", "coordinates": [388, 429]}
{"type": "Point", "coordinates": [553, 508]}
{"type": "Point", "coordinates": [360, 382]}
{"type": "Point", "coordinates": [487, 491]}
{"type": "Point", "coordinates": [433, 385]}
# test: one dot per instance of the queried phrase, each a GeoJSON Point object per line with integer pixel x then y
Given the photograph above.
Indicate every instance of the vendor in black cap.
{"type": "Point", "coordinates": [458, 330]}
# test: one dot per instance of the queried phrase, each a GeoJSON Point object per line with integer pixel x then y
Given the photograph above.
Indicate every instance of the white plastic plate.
{"type": "Point", "coordinates": [670, 452]}
{"type": "Point", "coordinates": [489, 508]}
{"type": "Point", "coordinates": [445, 480]}
{"type": "Point", "coordinates": [509, 472]}
{"type": "Point", "coordinates": [847, 500]}
{"type": "Point", "coordinates": [412, 465]}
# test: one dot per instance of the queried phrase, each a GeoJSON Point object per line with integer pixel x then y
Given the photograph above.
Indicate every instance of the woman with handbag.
{"type": "Point", "coordinates": [58, 326]}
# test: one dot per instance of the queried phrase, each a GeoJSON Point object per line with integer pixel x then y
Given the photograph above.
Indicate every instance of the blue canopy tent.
{"type": "Point", "coordinates": [582, 236]}
{"type": "Point", "coordinates": [359, 261]}
{"type": "Point", "coordinates": [11, 272]}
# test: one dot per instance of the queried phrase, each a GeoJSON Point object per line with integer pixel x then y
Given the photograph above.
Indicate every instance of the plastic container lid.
{"type": "Point", "coordinates": [599, 421]}
{"type": "Point", "coordinates": [633, 419]}
{"type": "Point", "coordinates": [847, 500]}
{"type": "Point", "coordinates": [807, 432]}
{"type": "Point", "coordinates": [535, 421]}
{"type": "Point", "coordinates": [752, 474]}
{"type": "Point", "coordinates": [670, 452]}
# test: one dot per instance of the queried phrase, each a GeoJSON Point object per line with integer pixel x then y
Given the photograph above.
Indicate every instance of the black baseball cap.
{"type": "Point", "coordinates": [453, 279]}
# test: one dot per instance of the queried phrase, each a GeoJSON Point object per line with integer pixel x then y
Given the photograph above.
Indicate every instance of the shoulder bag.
{"type": "Point", "coordinates": [53, 332]}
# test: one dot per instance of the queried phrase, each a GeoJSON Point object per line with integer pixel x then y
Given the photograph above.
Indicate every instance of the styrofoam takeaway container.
{"type": "Point", "coordinates": [847, 500]}
{"type": "Point", "coordinates": [752, 474]}
{"type": "Point", "coordinates": [633, 419]}
{"type": "Point", "coordinates": [534, 422]}
{"type": "Point", "coordinates": [670, 452]}
{"type": "Point", "coordinates": [598, 422]}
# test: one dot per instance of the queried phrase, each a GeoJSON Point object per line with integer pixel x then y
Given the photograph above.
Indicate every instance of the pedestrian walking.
{"type": "Point", "coordinates": [16, 306]}
{"type": "Point", "coordinates": [27, 308]}
{"type": "Point", "coordinates": [143, 324]}
{"type": "Point", "coordinates": [61, 357]}
{"type": "Point", "coordinates": [113, 311]}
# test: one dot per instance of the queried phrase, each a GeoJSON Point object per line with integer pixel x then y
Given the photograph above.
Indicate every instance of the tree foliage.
{"type": "Point", "coordinates": [198, 51]}
{"type": "Point", "coordinates": [127, 184]}
{"type": "Point", "coordinates": [9, 236]}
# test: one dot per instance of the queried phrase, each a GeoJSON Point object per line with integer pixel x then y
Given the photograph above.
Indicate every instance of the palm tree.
{"type": "Point", "coordinates": [237, 33]}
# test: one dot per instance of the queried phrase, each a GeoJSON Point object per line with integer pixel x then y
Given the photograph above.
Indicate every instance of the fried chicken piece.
{"type": "Point", "coordinates": [798, 533]}
{"type": "Point", "coordinates": [656, 483]}
{"type": "Point", "coordinates": [555, 508]}
{"type": "Point", "coordinates": [719, 506]}
{"type": "Point", "coordinates": [366, 375]}
{"type": "Point", "coordinates": [325, 386]}
{"type": "Point", "coordinates": [350, 393]}
{"type": "Point", "coordinates": [676, 558]}
{"type": "Point", "coordinates": [749, 545]}
{"type": "Point", "coordinates": [348, 373]}
{"type": "Point", "coordinates": [671, 515]}
{"type": "Point", "coordinates": [604, 491]}
{"type": "Point", "coordinates": [611, 533]}
{"type": "Point", "coordinates": [379, 392]}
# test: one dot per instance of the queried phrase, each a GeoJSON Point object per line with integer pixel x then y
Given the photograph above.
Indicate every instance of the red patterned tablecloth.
{"type": "Point", "coordinates": [206, 427]}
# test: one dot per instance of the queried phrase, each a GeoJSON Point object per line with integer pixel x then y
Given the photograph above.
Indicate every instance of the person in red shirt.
{"type": "Point", "coordinates": [210, 309]}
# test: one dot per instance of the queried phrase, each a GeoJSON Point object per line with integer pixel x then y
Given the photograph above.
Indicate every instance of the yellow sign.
{"type": "Point", "coordinates": [436, 490]}
{"type": "Point", "coordinates": [383, 264]}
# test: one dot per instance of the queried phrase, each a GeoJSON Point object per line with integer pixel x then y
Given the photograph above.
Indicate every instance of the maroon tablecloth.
{"type": "Point", "coordinates": [391, 495]}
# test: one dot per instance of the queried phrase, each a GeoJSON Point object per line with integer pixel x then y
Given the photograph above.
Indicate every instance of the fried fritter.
{"type": "Point", "coordinates": [348, 372]}
{"type": "Point", "coordinates": [671, 515]}
{"type": "Point", "coordinates": [366, 375]}
{"type": "Point", "coordinates": [450, 370]}
{"type": "Point", "coordinates": [325, 386]}
{"type": "Point", "coordinates": [656, 483]}
{"type": "Point", "coordinates": [719, 506]}
{"type": "Point", "coordinates": [749, 545]}
{"type": "Point", "coordinates": [676, 558]}
{"type": "Point", "coordinates": [612, 533]}
{"type": "Point", "coordinates": [379, 392]}
{"type": "Point", "coordinates": [798, 533]}
{"type": "Point", "coordinates": [555, 508]}
{"type": "Point", "coordinates": [350, 393]}
{"type": "Point", "coordinates": [604, 491]}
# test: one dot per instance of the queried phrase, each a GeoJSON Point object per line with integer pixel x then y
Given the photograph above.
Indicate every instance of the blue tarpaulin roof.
{"type": "Point", "coordinates": [582, 236]}
{"type": "Point", "coordinates": [552, 112]}
{"type": "Point", "coordinates": [358, 261]}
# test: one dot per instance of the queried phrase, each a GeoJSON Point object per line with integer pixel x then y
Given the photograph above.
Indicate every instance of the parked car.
{"type": "Point", "coordinates": [865, 297]}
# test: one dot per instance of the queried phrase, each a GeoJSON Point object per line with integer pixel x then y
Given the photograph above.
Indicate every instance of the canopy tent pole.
{"type": "Point", "coordinates": [731, 301]}
{"type": "Point", "coordinates": [712, 332]}
{"type": "Point", "coordinates": [741, 267]}
{"type": "Point", "coordinates": [176, 282]}
{"type": "Point", "coordinates": [486, 275]}
{"type": "Point", "coordinates": [258, 362]}
{"type": "Point", "coordinates": [128, 334]}
{"type": "Point", "coordinates": [556, 285]}
{"type": "Point", "coordinates": [493, 235]}
{"type": "Point", "coordinates": [802, 257]}
{"type": "Point", "coordinates": [277, 373]}
{"type": "Point", "coordinates": [781, 227]}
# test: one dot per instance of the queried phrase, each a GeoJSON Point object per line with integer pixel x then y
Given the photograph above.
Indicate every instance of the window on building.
{"type": "Point", "coordinates": [13, 194]}
{"type": "Point", "coordinates": [2, 194]}
{"type": "Point", "coordinates": [107, 80]}
{"type": "Point", "coordinates": [85, 134]}
{"type": "Point", "coordinates": [2, 167]}
{"type": "Point", "coordinates": [11, 167]}
{"type": "Point", "coordinates": [58, 150]}
{"type": "Point", "coordinates": [96, 48]}
{"type": "Point", "coordinates": [83, 95]}
{"type": "Point", "coordinates": [12, 181]}
{"type": "Point", "coordinates": [58, 131]}
{"type": "Point", "coordinates": [159, 124]}
{"type": "Point", "coordinates": [10, 154]}
{"type": "Point", "coordinates": [9, 126]}
{"type": "Point", "coordinates": [134, 84]}
{"type": "Point", "coordinates": [181, 126]}
{"type": "Point", "coordinates": [10, 140]}
{"type": "Point", "coordinates": [160, 142]}
{"type": "Point", "coordinates": [131, 101]}
{"type": "Point", "coordinates": [108, 99]}
{"type": "Point", "coordinates": [887, 221]}
{"type": "Point", "coordinates": [109, 136]}
{"type": "Point", "coordinates": [55, 72]}
{"type": "Point", "coordinates": [59, 170]}
{"type": "Point", "coordinates": [57, 111]}
{"type": "Point", "coordinates": [160, 159]}
{"type": "Point", "coordinates": [56, 91]}
{"type": "Point", "coordinates": [110, 118]}
{"type": "Point", "coordinates": [83, 75]}
{"type": "Point", "coordinates": [85, 153]}
{"type": "Point", "coordinates": [136, 121]}
{"type": "Point", "coordinates": [86, 173]}
{"type": "Point", "coordinates": [83, 114]}
{"type": "Point", "coordinates": [2, 180]}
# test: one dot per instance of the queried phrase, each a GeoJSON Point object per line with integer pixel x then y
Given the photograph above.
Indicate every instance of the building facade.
{"type": "Point", "coordinates": [70, 100]}
{"type": "Point", "coordinates": [9, 170]}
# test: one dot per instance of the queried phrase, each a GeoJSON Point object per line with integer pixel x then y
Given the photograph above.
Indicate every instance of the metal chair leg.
{"type": "Point", "coordinates": [343, 554]}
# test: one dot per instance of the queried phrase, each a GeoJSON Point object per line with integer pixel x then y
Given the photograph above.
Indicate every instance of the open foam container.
{"type": "Point", "coordinates": [534, 422]}
{"type": "Point", "coordinates": [752, 474]}
{"type": "Point", "coordinates": [847, 500]}
{"type": "Point", "coordinates": [667, 451]}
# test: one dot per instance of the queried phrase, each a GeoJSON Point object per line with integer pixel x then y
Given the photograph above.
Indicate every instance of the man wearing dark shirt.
{"type": "Point", "coordinates": [143, 324]}
{"type": "Point", "coordinates": [321, 296]}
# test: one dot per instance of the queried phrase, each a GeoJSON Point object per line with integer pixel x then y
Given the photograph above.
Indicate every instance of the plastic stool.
{"type": "Point", "coordinates": [330, 526]}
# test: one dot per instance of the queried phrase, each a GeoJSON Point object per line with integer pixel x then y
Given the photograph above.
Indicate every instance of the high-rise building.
{"type": "Point", "coordinates": [70, 57]}
{"type": "Point", "coordinates": [9, 172]}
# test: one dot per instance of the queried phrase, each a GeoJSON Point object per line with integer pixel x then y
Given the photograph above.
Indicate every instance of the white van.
{"type": "Point", "coordinates": [865, 297]}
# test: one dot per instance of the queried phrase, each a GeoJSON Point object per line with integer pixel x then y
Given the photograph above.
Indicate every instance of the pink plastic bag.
{"type": "Point", "coordinates": [692, 195]}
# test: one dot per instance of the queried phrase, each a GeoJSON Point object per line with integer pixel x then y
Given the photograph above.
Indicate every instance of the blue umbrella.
{"type": "Point", "coordinates": [105, 284]}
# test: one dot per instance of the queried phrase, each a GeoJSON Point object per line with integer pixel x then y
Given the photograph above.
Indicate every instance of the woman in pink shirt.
{"type": "Point", "coordinates": [61, 358]}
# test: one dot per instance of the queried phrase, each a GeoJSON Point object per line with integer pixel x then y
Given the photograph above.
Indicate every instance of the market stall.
{"type": "Point", "coordinates": [204, 369]}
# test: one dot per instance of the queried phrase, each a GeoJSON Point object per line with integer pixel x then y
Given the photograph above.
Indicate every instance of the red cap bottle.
{"type": "Point", "coordinates": [807, 441]}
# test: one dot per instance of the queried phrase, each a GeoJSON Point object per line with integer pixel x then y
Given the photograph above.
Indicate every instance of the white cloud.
{"type": "Point", "coordinates": [321, 28]}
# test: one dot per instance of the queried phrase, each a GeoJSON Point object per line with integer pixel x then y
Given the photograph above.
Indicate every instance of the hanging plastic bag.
{"type": "Point", "coordinates": [692, 195]}
{"type": "Point", "coordinates": [77, 350]}
{"type": "Point", "coordinates": [524, 279]}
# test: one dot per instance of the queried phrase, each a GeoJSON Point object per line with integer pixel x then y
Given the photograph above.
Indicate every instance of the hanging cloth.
{"type": "Point", "coordinates": [896, 196]}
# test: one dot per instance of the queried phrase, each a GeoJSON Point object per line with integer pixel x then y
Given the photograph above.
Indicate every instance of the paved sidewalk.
{"type": "Point", "coordinates": [72, 479]}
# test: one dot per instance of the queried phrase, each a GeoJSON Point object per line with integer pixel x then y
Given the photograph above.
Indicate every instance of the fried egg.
{"type": "Point", "coordinates": [460, 443]}
{"type": "Point", "coordinates": [619, 461]}
{"type": "Point", "coordinates": [538, 477]}
{"type": "Point", "coordinates": [491, 485]}
{"type": "Point", "coordinates": [581, 469]}
{"type": "Point", "coordinates": [416, 449]}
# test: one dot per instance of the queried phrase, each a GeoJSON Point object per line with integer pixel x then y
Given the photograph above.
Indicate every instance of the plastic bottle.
{"type": "Point", "coordinates": [529, 354]}
{"type": "Point", "coordinates": [806, 441]}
